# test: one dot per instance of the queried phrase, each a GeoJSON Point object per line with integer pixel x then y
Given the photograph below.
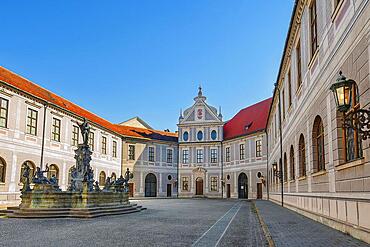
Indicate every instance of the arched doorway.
{"type": "Point", "coordinates": [242, 186]}
{"type": "Point", "coordinates": [150, 185]}
{"type": "Point", "coordinates": [199, 186]}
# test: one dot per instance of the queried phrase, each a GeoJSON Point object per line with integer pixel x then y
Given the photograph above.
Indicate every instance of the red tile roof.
{"type": "Point", "coordinates": [248, 120]}
{"type": "Point", "coordinates": [35, 90]}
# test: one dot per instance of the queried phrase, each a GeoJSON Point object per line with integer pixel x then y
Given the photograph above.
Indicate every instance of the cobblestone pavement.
{"type": "Point", "coordinates": [288, 228]}
{"type": "Point", "coordinates": [166, 222]}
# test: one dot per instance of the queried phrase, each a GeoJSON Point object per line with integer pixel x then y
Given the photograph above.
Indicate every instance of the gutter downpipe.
{"type": "Point", "coordinates": [281, 152]}
{"type": "Point", "coordinates": [43, 137]}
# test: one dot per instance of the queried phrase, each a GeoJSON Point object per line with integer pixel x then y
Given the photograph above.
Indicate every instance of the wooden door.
{"type": "Point", "coordinates": [169, 190]}
{"type": "Point", "coordinates": [259, 191]}
{"type": "Point", "coordinates": [199, 186]}
{"type": "Point", "coordinates": [228, 191]}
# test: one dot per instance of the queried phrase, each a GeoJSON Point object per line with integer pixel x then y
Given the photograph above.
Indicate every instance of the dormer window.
{"type": "Point", "coordinates": [248, 125]}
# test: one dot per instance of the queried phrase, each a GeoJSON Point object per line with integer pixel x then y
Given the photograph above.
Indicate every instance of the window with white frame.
{"type": "Point", "coordinates": [4, 104]}
{"type": "Point", "coordinates": [55, 133]}
{"type": "Point", "coordinates": [214, 155]}
{"type": "Point", "coordinates": [75, 135]}
{"type": "Point", "coordinates": [169, 155]}
{"type": "Point", "coordinates": [227, 155]}
{"type": "Point", "coordinates": [151, 154]}
{"type": "Point", "coordinates": [214, 183]}
{"type": "Point", "coordinates": [91, 140]}
{"type": "Point", "coordinates": [114, 149]}
{"type": "Point", "coordinates": [31, 127]}
{"type": "Point", "coordinates": [185, 156]}
{"type": "Point", "coordinates": [185, 183]}
{"type": "Point", "coordinates": [199, 155]}
{"type": "Point", "coordinates": [131, 152]}
{"type": "Point", "coordinates": [104, 145]}
{"type": "Point", "coordinates": [242, 151]}
{"type": "Point", "coordinates": [258, 148]}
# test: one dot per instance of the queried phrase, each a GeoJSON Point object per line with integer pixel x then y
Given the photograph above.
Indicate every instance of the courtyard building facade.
{"type": "Point", "coordinates": [208, 159]}
{"type": "Point", "coordinates": [325, 167]}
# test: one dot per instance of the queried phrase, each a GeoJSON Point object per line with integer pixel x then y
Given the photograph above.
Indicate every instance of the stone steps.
{"type": "Point", "coordinates": [74, 212]}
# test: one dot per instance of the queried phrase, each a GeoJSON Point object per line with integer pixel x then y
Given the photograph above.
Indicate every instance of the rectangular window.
{"type": "Point", "coordinates": [258, 148]}
{"type": "Point", "coordinates": [55, 134]}
{"type": "Point", "coordinates": [299, 65]}
{"type": "Point", "coordinates": [213, 155]}
{"type": "Point", "coordinates": [131, 152]}
{"type": "Point", "coordinates": [75, 135]}
{"type": "Point", "coordinates": [227, 154]}
{"type": "Point", "coordinates": [289, 89]}
{"type": "Point", "coordinates": [151, 154]}
{"type": "Point", "coordinates": [313, 27]}
{"type": "Point", "coordinates": [199, 155]}
{"type": "Point", "coordinates": [185, 156]}
{"type": "Point", "coordinates": [31, 127]}
{"type": "Point", "coordinates": [242, 151]}
{"type": "Point", "coordinates": [104, 145]}
{"type": "Point", "coordinates": [4, 104]}
{"type": "Point", "coordinates": [214, 183]}
{"type": "Point", "coordinates": [91, 140]}
{"type": "Point", "coordinates": [185, 183]}
{"type": "Point", "coordinates": [169, 155]}
{"type": "Point", "coordinates": [114, 149]}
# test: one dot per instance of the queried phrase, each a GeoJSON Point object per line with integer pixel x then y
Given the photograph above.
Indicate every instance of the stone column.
{"type": "Point", "coordinates": [206, 182]}
{"type": "Point", "coordinates": [192, 183]}
{"type": "Point", "coordinates": [141, 182]}
{"type": "Point", "coordinates": [236, 183]}
{"type": "Point", "coordinates": [160, 183]}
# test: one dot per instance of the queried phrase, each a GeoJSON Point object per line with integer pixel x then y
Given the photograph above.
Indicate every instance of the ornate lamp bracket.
{"type": "Point", "coordinates": [358, 119]}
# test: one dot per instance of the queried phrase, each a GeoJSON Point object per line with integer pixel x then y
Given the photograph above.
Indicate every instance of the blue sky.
{"type": "Point", "coordinates": [147, 58]}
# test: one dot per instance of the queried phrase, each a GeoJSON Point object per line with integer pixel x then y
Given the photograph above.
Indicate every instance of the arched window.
{"type": "Point", "coordinates": [53, 171]}
{"type": "Point", "coordinates": [32, 167]}
{"type": "Point", "coordinates": [292, 164]}
{"type": "Point", "coordinates": [113, 177]}
{"type": "Point", "coordinates": [318, 145]}
{"type": "Point", "coordinates": [102, 177]}
{"type": "Point", "coordinates": [2, 170]}
{"type": "Point", "coordinates": [285, 168]}
{"type": "Point", "coordinates": [302, 156]}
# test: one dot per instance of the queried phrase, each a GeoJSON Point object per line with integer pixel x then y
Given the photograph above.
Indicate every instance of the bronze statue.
{"type": "Point", "coordinates": [39, 177]}
{"type": "Point", "coordinates": [85, 131]}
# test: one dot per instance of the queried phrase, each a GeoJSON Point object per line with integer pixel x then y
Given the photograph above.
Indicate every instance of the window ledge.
{"type": "Point", "coordinates": [319, 173]}
{"type": "Point", "coordinates": [337, 10]}
{"type": "Point", "coordinates": [292, 180]}
{"type": "Point", "coordinates": [350, 164]}
{"type": "Point", "coordinates": [313, 59]}
{"type": "Point", "coordinates": [302, 178]}
{"type": "Point", "coordinates": [2, 183]}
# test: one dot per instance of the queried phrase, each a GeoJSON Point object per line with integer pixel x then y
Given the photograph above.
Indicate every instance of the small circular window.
{"type": "Point", "coordinates": [214, 135]}
{"type": "Point", "coordinates": [169, 177]}
{"type": "Point", "coordinates": [185, 136]}
{"type": "Point", "coordinates": [200, 135]}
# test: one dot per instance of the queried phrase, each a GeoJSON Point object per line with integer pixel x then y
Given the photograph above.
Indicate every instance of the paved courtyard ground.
{"type": "Point", "coordinates": [175, 222]}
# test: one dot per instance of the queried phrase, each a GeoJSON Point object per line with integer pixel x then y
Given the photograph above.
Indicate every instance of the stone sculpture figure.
{"type": "Point", "coordinates": [85, 131]}
{"type": "Point", "coordinates": [39, 177]}
{"type": "Point", "coordinates": [54, 183]}
{"type": "Point", "coordinates": [119, 184]}
{"type": "Point", "coordinates": [90, 179]}
{"type": "Point", "coordinates": [96, 186]}
{"type": "Point", "coordinates": [108, 184]}
{"type": "Point", "coordinates": [72, 186]}
{"type": "Point", "coordinates": [128, 176]}
{"type": "Point", "coordinates": [26, 178]}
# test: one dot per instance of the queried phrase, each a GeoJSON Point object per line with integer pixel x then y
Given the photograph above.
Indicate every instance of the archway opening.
{"type": "Point", "coordinates": [150, 185]}
{"type": "Point", "coordinates": [199, 186]}
{"type": "Point", "coordinates": [242, 186]}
